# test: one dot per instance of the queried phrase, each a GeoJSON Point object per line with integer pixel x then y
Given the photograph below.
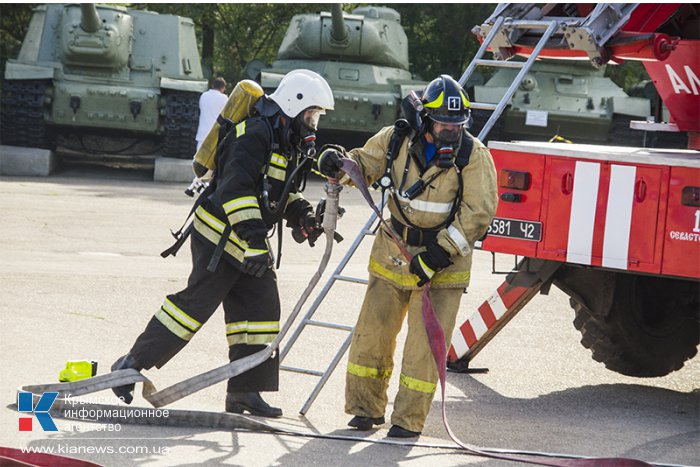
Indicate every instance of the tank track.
{"type": "Point", "coordinates": [22, 114]}
{"type": "Point", "coordinates": [479, 119]}
{"type": "Point", "coordinates": [623, 135]}
{"type": "Point", "coordinates": [181, 122]}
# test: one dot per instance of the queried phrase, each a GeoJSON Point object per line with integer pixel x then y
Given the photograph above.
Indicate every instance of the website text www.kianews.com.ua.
{"type": "Point", "coordinates": [63, 449]}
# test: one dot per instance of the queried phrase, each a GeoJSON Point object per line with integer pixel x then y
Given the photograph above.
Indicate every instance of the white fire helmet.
{"type": "Point", "coordinates": [303, 89]}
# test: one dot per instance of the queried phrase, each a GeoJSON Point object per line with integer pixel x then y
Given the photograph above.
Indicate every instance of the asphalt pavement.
{"type": "Point", "coordinates": [81, 275]}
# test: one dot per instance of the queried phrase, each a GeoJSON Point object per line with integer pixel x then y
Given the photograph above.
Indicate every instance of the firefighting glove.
{"type": "Point", "coordinates": [330, 162]}
{"type": "Point", "coordinates": [426, 264]}
{"type": "Point", "coordinates": [307, 230]}
{"type": "Point", "coordinates": [256, 259]}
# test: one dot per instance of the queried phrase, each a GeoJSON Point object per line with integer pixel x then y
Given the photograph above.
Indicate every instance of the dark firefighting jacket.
{"type": "Point", "coordinates": [249, 180]}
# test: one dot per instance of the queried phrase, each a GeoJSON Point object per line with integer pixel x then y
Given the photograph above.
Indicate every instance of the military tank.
{"type": "Point", "coordinates": [572, 100]}
{"type": "Point", "coordinates": [104, 80]}
{"type": "Point", "coordinates": [364, 58]}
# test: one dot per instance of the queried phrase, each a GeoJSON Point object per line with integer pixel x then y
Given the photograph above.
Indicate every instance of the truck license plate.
{"type": "Point", "coordinates": [516, 228]}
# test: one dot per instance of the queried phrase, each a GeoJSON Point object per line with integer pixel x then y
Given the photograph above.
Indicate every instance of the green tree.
{"type": "Point", "coordinates": [439, 35]}
{"type": "Point", "coordinates": [14, 21]}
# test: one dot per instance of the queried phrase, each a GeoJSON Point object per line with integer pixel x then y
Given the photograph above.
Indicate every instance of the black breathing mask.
{"type": "Point", "coordinates": [447, 142]}
{"type": "Point", "coordinates": [446, 137]}
{"type": "Point", "coordinates": [303, 136]}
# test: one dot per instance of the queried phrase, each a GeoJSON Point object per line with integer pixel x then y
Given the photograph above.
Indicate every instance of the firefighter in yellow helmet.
{"type": "Point", "coordinates": [261, 165]}
{"type": "Point", "coordinates": [443, 196]}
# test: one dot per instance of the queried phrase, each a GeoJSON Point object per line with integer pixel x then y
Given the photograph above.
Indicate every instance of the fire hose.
{"type": "Point", "coordinates": [177, 417]}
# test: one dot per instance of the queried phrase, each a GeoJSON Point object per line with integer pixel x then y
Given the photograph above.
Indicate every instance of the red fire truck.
{"type": "Point", "coordinates": [616, 228]}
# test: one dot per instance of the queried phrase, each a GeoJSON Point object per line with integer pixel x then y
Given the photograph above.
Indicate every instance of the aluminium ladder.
{"type": "Point", "coordinates": [308, 321]}
{"type": "Point", "coordinates": [501, 25]}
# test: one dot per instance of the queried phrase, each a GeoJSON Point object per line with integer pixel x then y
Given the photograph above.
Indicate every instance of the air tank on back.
{"type": "Point", "coordinates": [364, 58]}
{"type": "Point", "coordinates": [104, 80]}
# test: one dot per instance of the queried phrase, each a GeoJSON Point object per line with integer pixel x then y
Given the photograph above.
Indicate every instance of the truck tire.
{"type": "Point", "coordinates": [181, 122]}
{"type": "Point", "coordinates": [22, 114]}
{"type": "Point", "coordinates": [649, 329]}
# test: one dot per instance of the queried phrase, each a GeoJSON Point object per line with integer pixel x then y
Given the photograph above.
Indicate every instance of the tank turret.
{"type": "Point", "coordinates": [88, 41]}
{"type": "Point", "coordinates": [104, 79]}
{"type": "Point", "coordinates": [371, 35]}
{"type": "Point", "coordinates": [363, 56]}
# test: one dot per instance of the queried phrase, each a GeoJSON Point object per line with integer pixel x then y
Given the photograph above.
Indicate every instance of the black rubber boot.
{"type": "Point", "coordinates": [125, 392]}
{"type": "Point", "coordinates": [251, 402]}
{"type": "Point", "coordinates": [365, 423]}
{"type": "Point", "coordinates": [398, 432]}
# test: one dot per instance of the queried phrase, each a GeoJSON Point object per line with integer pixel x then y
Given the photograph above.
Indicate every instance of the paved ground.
{"type": "Point", "coordinates": [81, 275]}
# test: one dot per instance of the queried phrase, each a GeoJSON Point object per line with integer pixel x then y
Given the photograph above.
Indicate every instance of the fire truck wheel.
{"type": "Point", "coordinates": [651, 328]}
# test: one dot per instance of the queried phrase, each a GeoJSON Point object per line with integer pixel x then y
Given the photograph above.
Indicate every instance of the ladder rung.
{"type": "Point", "coordinates": [527, 24]}
{"type": "Point", "coordinates": [351, 279]}
{"type": "Point", "coordinates": [323, 324]}
{"type": "Point", "coordinates": [301, 370]}
{"type": "Point", "coordinates": [500, 63]}
{"type": "Point", "coordinates": [482, 106]}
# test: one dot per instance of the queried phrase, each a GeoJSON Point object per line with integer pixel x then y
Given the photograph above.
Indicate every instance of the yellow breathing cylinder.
{"type": "Point", "coordinates": [240, 105]}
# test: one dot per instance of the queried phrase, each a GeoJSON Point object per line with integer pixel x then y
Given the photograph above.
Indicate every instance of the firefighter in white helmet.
{"type": "Point", "coordinates": [443, 196]}
{"type": "Point", "coordinates": [260, 168]}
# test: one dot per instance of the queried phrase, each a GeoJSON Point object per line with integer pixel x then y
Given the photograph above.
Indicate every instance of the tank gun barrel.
{"type": "Point", "coordinates": [89, 18]}
{"type": "Point", "coordinates": [338, 31]}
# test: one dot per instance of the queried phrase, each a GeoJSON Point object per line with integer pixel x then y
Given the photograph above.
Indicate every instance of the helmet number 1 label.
{"type": "Point", "coordinates": [696, 229]}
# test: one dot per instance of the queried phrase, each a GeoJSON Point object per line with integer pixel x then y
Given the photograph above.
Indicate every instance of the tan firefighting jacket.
{"type": "Point", "coordinates": [432, 207]}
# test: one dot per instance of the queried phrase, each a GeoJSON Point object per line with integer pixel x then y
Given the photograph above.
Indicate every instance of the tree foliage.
{"type": "Point", "coordinates": [14, 21]}
{"type": "Point", "coordinates": [439, 35]}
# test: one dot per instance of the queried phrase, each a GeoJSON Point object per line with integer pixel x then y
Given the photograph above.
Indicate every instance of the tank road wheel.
{"type": "Point", "coordinates": [181, 122]}
{"type": "Point", "coordinates": [635, 325]}
{"type": "Point", "coordinates": [22, 114]}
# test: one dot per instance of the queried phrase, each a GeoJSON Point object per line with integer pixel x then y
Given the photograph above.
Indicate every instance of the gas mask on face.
{"type": "Point", "coordinates": [304, 128]}
{"type": "Point", "coordinates": [449, 135]}
{"type": "Point", "coordinates": [447, 142]}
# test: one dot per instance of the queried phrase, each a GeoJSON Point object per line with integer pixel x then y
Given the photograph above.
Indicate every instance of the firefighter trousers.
{"type": "Point", "coordinates": [251, 311]}
{"type": "Point", "coordinates": [371, 362]}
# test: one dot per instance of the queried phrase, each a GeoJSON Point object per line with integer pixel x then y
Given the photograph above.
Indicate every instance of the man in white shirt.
{"type": "Point", "coordinates": [210, 104]}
